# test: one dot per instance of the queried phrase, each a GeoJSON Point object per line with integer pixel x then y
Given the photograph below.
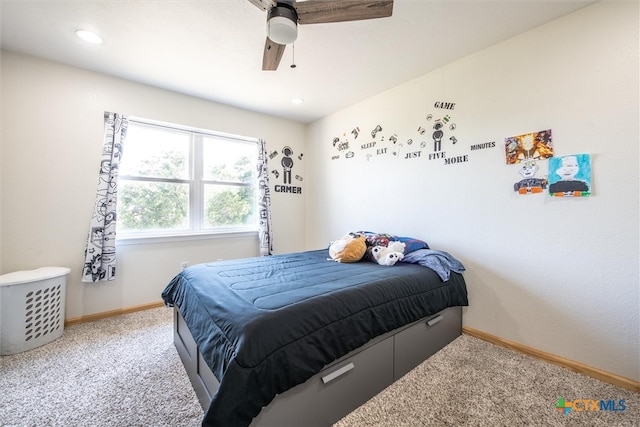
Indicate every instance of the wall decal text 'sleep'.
{"type": "Point", "coordinates": [437, 131]}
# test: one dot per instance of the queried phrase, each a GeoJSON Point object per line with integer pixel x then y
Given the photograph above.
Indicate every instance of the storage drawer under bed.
{"type": "Point", "coordinates": [341, 386]}
{"type": "Point", "coordinates": [335, 391]}
{"type": "Point", "coordinates": [419, 341]}
{"type": "Point", "coordinates": [202, 379]}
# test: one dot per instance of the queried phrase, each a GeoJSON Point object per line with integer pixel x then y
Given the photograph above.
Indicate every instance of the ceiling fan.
{"type": "Point", "coordinates": [284, 16]}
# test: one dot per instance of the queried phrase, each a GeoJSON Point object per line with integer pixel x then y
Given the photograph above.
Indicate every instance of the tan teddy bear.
{"type": "Point", "coordinates": [349, 248]}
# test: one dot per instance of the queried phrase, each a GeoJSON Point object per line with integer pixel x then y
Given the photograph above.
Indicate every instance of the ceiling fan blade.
{"type": "Point", "coordinates": [323, 11]}
{"type": "Point", "coordinates": [263, 4]}
{"type": "Point", "coordinates": [272, 55]}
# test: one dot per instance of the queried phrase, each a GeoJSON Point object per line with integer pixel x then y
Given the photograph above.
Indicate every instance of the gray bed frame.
{"type": "Point", "coordinates": [341, 386]}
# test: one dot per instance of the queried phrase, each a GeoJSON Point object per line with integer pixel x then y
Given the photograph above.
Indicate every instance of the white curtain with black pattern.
{"type": "Point", "coordinates": [100, 254]}
{"type": "Point", "coordinates": [264, 202]}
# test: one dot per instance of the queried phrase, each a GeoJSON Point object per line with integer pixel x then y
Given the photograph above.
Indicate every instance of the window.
{"type": "Point", "coordinates": [182, 181]}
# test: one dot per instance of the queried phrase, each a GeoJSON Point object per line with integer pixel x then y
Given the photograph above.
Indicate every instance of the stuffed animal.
{"type": "Point", "coordinates": [388, 255]}
{"type": "Point", "coordinates": [349, 248]}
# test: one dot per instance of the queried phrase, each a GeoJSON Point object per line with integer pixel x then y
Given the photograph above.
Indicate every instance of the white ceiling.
{"type": "Point", "coordinates": [213, 48]}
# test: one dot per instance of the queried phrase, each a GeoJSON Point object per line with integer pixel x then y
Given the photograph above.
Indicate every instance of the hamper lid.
{"type": "Point", "coordinates": [26, 276]}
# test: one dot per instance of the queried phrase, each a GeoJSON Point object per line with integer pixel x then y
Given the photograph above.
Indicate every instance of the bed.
{"type": "Point", "coordinates": [296, 339]}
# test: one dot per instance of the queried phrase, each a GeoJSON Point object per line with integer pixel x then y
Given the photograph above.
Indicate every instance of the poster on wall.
{"type": "Point", "coordinates": [530, 183]}
{"type": "Point", "coordinates": [529, 146]}
{"type": "Point", "coordinates": [570, 176]}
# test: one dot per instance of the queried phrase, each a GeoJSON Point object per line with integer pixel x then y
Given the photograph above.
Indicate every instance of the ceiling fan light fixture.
{"type": "Point", "coordinates": [282, 25]}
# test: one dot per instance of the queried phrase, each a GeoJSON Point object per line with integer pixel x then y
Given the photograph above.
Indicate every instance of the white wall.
{"type": "Point", "coordinates": [559, 275]}
{"type": "Point", "coordinates": [52, 126]}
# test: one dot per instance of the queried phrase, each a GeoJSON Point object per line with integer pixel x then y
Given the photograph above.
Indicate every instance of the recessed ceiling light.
{"type": "Point", "coordinates": [89, 36]}
{"type": "Point", "coordinates": [297, 101]}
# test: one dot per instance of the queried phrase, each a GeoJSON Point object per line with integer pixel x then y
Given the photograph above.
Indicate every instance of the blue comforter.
{"type": "Point", "coordinates": [266, 324]}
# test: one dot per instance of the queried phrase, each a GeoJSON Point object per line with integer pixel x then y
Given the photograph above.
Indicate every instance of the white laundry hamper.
{"type": "Point", "coordinates": [31, 308]}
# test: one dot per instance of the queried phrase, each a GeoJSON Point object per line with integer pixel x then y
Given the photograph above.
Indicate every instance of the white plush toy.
{"type": "Point", "coordinates": [388, 255]}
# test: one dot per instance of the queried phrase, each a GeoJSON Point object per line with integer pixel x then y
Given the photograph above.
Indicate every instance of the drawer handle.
{"type": "Point", "coordinates": [435, 320]}
{"type": "Point", "coordinates": [338, 372]}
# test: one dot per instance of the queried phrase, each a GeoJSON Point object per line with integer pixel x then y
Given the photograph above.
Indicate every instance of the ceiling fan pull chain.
{"type": "Point", "coordinates": [293, 55]}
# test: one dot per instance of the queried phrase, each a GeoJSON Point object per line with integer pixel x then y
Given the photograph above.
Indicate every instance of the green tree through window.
{"type": "Point", "coordinates": [185, 181]}
{"type": "Point", "coordinates": [155, 205]}
{"type": "Point", "coordinates": [231, 206]}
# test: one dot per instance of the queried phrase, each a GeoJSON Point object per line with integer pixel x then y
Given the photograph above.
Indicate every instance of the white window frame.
{"type": "Point", "coordinates": [196, 190]}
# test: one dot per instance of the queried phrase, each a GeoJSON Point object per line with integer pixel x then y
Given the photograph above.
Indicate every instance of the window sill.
{"type": "Point", "coordinates": [181, 237]}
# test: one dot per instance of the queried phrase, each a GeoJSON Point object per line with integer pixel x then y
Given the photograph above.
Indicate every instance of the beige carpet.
{"type": "Point", "coordinates": [122, 371]}
{"type": "Point", "coordinates": [473, 383]}
{"type": "Point", "coordinates": [125, 372]}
